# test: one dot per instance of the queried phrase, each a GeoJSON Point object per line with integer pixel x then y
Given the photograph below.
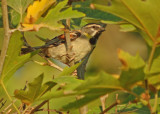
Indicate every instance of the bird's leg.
{"type": "Point", "coordinates": [70, 56]}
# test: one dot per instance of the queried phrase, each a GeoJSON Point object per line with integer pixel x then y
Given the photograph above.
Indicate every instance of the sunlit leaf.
{"type": "Point", "coordinates": [132, 69]}
{"type": "Point", "coordinates": [65, 87]}
{"type": "Point", "coordinates": [35, 10]}
{"type": "Point", "coordinates": [56, 14]}
{"type": "Point", "coordinates": [129, 61]}
{"type": "Point", "coordinates": [127, 28]}
{"type": "Point", "coordinates": [102, 80]}
{"type": "Point", "coordinates": [35, 90]}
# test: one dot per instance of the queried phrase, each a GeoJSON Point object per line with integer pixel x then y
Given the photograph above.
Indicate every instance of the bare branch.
{"type": "Point", "coordinates": [110, 107]}
{"type": "Point", "coordinates": [6, 34]}
{"type": "Point", "coordinates": [38, 107]}
{"type": "Point", "coordinates": [70, 52]}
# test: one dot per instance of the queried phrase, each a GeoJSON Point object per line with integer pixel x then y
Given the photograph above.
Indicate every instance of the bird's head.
{"type": "Point", "coordinates": [93, 31]}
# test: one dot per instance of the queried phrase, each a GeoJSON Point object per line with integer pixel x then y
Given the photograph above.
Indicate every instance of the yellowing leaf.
{"type": "Point", "coordinates": [36, 27]}
{"type": "Point", "coordinates": [37, 9]}
{"type": "Point", "coordinates": [129, 61]}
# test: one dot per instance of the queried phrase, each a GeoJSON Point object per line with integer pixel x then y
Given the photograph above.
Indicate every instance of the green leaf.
{"type": "Point", "coordinates": [85, 100]}
{"type": "Point", "coordinates": [129, 61]}
{"type": "Point", "coordinates": [135, 108]}
{"type": "Point", "coordinates": [142, 16]}
{"type": "Point", "coordinates": [69, 70]}
{"type": "Point", "coordinates": [92, 89]}
{"type": "Point", "coordinates": [100, 15]}
{"type": "Point", "coordinates": [102, 80]}
{"type": "Point", "coordinates": [155, 80]}
{"type": "Point", "coordinates": [65, 87]}
{"type": "Point", "coordinates": [13, 59]}
{"type": "Point", "coordinates": [127, 28]}
{"type": "Point", "coordinates": [15, 17]}
{"type": "Point", "coordinates": [89, 97]}
{"type": "Point", "coordinates": [35, 90]}
{"type": "Point", "coordinates": [58, 13]}
{"type": "Point", "coordinates": [133, 69]}
{"type": "Point", "coordinates": [131, 76]}
{"type": "Point", "coordinates": [155, 67]}
{"type": "Point", "coordinates": [19, 6]}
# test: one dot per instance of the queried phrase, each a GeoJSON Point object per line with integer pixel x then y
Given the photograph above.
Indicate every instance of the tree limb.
{"type": "Point", "coordinates": [6, 35]}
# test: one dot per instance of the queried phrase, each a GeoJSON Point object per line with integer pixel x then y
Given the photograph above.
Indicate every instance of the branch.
{"type": "Point", "coordinates": [6, 35]}
{"type": "Point", "coordinates": [38, 107]}
{"type": "Point", "coordinates": [6, 39]}
{"type": "Point", "coordinates": [110, 107]}
{"type": "Point", "coordinates": [69, 45]}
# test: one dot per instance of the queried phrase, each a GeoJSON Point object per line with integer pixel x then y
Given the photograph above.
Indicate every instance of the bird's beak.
{"type": "Point", "coordinates": [103, 29]}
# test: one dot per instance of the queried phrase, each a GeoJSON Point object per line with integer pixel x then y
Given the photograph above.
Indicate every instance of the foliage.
{"type": "Point", "coordinates": [46, 18]}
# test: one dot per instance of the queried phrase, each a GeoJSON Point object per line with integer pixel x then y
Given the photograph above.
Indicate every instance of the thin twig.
{"type": "Point", "coordinates": [70, 52]}
{"type": "Point", "coordinates": [3, 103]}
{"type": "Point", "coordinates": [50, 110]}
{"type": "Point", "coordinates": [148, 70]}
{"type": "Point", "coordinates": [48, 107]}
{"type": "Point", "coordinates": [116, 105]}
{"type": "Point", "coordinates": [154, 109]}
{"type": "Point", "coordinates": [110, 107]}
{"type": "Point", "coordinates": [38, 107]}
{"type": "Point", "coordinates": [1, 100]}
{"type": "Point", "coordinates": [4, 88]}
{"type": "Point", "coordinates": [9, 106]}
{"type": "Point", "coordinates": [8, 112]}
{"type": "Point", "coordinates": [103, 101]}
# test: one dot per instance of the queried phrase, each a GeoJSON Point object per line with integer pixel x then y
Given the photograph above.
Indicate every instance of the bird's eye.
{"type": "Point", "coordinates": [94, 27]}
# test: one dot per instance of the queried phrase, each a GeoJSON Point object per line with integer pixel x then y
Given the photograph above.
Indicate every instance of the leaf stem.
{"type": "Point", "coordinates": [151, 57]}
{"type": "Point", "coordinates": [148, 70]}
{"type": "Point", "coordinates": [155, 103]}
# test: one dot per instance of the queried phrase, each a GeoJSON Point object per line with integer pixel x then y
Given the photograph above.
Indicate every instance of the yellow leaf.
{"type": "Point", "coordinates": [36, 27]}
{"type": "Point", "coordinates": [35, 10]}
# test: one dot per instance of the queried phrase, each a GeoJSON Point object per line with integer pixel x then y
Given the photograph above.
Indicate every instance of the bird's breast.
{"type": "Point", "coordinates": [81, 47]}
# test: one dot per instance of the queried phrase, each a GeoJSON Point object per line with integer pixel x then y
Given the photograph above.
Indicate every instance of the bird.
{"type": "Point", "coordinates": [83, 41]}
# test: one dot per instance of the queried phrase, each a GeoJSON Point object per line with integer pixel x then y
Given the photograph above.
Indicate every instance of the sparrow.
{"type": "Point", "coordinates": [82, 41]}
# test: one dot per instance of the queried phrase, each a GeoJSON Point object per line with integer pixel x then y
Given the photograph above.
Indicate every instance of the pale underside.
{"type": "Point", "coordinates": [81, 47]}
